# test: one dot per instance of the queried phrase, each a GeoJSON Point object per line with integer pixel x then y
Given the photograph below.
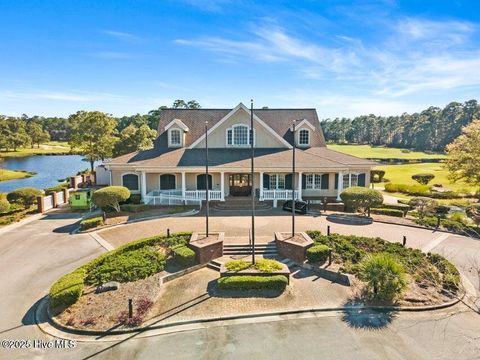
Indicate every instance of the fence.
{"type": "Point", "coordinates": [45, 203]}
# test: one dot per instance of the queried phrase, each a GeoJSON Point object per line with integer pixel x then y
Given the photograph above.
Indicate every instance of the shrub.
{"type": "Point", "coordinates": [127, 266]}
{"type": "Point", "coordinates": [134, 199]}
{"type": "Point", "coordinates": [110, 197]}
{"type": "Point", "coordinates": [245, 282]}
{"type": "Point", "coordinates": [361, 198]}
{"type": "Point", "coordinates": [318, 253]}
{"type": "Point", "coordinates": [237, 265]}
{"type": "Point", "coordinates": [389, 212]}
{"type": "Point", "coordinates": [68, 289]}
{"type": "Point", "coordinates": [377, 175]}
{"type": "Point", "coordinates": [415, 190]}
{"type": "Point", "coordinates": [450, 274]}
{"type": "Point", "coordinates": [267, 265]}
{"type": "Point", "coordinates": [384, 276]}
{"type": "Point", "coordinates": [24, 196]}
{"type": "Point", "coordinates": [134, 208]}
{"type": "Point", "coordinates": [423, 179]}
{"type": "Point", "coordinates": [444, 195]}
{"type": "Point", "coordinates": [91, 223]}
{"type": "Point", "coordinates": [4, 206]}
{"type": "Point", "coordinates": [400, 206]}
{"type": "Point", "coordinates": [184, 256]}
{"type": "Point", "coordinates": [55, 189]}
{"type": "Point", "coordinates": [423, 205]}
{"type": "Point", "coordinates": [473, 211]}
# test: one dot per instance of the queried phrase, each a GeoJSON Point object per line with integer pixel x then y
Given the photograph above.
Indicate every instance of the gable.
{"type": "Point", "coordinates": [265, 137]}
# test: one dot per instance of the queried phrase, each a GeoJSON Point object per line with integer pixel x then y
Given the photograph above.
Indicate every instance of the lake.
{"type": "Point", "coordinates": [49, 169]}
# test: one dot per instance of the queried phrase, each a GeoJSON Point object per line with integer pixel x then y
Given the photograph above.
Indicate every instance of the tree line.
{"type": "Point", "coordinates": [429, 130]}
{"type": "Point", "coordinates": [84, 129]}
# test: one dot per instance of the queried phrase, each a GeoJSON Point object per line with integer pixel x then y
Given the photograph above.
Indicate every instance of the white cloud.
{"type": "Point", "coordinates": [124, 36]}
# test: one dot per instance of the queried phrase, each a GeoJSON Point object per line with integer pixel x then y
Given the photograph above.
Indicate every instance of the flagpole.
{"type": "Point", "coordinates": [206, 178]}
{"type": "Point", "coordinates": [251, 138]}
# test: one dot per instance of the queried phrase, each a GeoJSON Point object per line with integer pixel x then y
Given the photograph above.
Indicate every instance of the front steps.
{"type": "Point", "coordinates": [264, 249]}
{"type": "Point", "coordinates": [240, 203]}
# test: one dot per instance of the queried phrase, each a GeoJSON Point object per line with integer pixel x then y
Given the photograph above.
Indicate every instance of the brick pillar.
{"type": "Point", "coordinates": [40, 204]}
{"type": "Point", "coordinates": [73, 183]}
{"type": "Point", "coordinates": [54, 200]}
{"type": "Point", "coordinates": [66, 195]}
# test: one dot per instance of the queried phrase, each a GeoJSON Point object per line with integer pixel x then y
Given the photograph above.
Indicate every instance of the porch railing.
{"type": "Point", "coordinates": [174, 197]}
{"type": "Point", "coordinates": [278, 194]}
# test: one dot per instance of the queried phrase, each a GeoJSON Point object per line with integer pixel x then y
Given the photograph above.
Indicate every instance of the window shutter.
{"type": "Point", "coordinates": [361, 179]}
{"type": "Point", "coordinates": [201, 182]}
{"type": "Point", "coordinates": [336, 181]}
{"type": "Point", "coordinates": [229, 137]}
{"type": "Point", "coordinates": [288, 181]}
{"type": "Point", "coordinates": [304, 181]}
{"type": "Point", "coordinates": [325, 178]}
{"type": "Point", "coordinates": [167, 182]}
{"type": "Point", "coordinates": [266, 181]}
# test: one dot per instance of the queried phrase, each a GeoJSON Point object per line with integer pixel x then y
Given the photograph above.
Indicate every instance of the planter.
{"type": "Point", "coordinates": [293, 248]}
{"type": "Point", "coordinates": [207, 248]}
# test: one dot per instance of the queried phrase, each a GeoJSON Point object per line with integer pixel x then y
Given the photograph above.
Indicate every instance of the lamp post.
{"type": "Point", "coordinates": [206, 178]}
{"type": "Point", "coordinates": [252, 146]}
{"type": "Point", "coordinates": [293, 180]}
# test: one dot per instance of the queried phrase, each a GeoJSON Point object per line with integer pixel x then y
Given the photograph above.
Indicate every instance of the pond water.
{"type": "Point", "coordinates": [49, 169]}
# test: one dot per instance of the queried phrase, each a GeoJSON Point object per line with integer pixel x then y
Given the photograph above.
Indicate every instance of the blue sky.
{"type": "Point", "coordinates": [343, 58]}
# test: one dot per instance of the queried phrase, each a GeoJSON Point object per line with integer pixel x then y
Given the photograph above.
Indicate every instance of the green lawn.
{"type": "Point", "coordinates": [14, 174]}
{"type": "Point", "coordinates": [381, 152]}
{"type": "Point", "coordinates": [52, 147]}
{"type": "Point", "coordinates": [402, 174]}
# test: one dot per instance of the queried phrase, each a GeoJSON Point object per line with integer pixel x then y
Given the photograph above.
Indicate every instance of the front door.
{"type": "Point", "coordinates": [240, 184]}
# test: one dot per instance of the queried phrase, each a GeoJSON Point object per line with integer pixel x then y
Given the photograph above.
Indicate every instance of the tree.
{"type": "Point", "coordinates": [110, 197]}
{"type": "Point", "coordinates": [423, 179]}
{"type": "Point", "coordinates": [464, 154]}
{"type": "Point", "coordinates": [377, 175]}
{"type": "Point", "coordinates": [4, 206]}
{"type": "Point", "coordinates": [360, 198]}
{"type": "Point", "coordinates": [93, 135]}
{"type": "Point", "coordinates": [182, 104]}
{"type": "Point", "coordinates": [37, 134]}
{"type": "Point", "coordinates": [134, 139]}
{"type": "Point", "coordinates": [385, 277]}
{"type": "Point", "coordinates": [423, 205]}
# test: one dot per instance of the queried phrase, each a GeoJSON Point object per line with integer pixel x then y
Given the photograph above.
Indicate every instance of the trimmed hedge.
{"type": "Point", "coordinates": [109, 197]}
{"type": "Point", "coordinates": [237, 265]}
{"type": "Point", "coordinates": [416, 190]}
{"type": "Point", "coordinates": [318, 253]}
{"type": "Point", "coordinates": [263, 265]}
{"type": "Point", "coordinates": [184, 256]}
{"type": "Point", "coordinates": [246, 282]}
{"type": "Point", "coordinates": [128, 266]}
{"type": "Point", "coordinates": [404, 207]}
{"type": "Point", "coordinates": [68, 289]}
{"type": "Point", "coordinates": [91, 223]}
{"type": "Point", "coordinates": [389, 212]}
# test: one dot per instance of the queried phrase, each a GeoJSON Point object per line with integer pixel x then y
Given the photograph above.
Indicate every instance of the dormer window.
{"type": "Point", "coordinates": [239, 135]}
{"type": "Point", "coordinates": [175, 138]}
{"type": "Point", "coordinates": [304, 137]}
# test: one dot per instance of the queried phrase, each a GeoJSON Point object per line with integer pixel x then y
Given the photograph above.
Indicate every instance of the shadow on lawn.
{"type": "Point", "coordinates": [356, 316]}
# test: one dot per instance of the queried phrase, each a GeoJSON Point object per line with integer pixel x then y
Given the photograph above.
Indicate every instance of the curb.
{"type": "Point", "coordinates": [22, 222]}
{"type": "Point", "coordinates": [68, 330]}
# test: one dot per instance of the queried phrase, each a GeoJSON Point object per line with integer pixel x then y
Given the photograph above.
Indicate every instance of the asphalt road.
{"type": "Point", "coordinates": [33, 256]}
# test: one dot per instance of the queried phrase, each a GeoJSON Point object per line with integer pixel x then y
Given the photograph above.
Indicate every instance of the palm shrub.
{"type": "Point", "coordinates": [361, 198]}
{"type": "Point", "coordinates": [24, 196]}
{"type": "Point", "coordinates": [423, 179]}
{"type": "Point", "coordinates": [110, 197]}
{"type": "Point", "coordinates": [385, 277]}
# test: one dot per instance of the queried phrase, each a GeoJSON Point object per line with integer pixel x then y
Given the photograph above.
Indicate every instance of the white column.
{"type": "Point", "coordinates": [222, 185]}
{"type": "Point", "coordinates": [339, 184]}
{"type": "Point", "coordinates": [143, 185]}
{"type": "Point", "coordinates": [349, 179]}
{"type": "Point", "coordinates": [300, 185]}
{"type": "Point", "coordinates": [261, 186]}
{"type": "Point", "coordinates": [184, 187]}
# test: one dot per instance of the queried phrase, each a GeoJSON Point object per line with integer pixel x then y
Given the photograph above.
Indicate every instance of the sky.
{"type": "Point", "coordinates": [344, 58]}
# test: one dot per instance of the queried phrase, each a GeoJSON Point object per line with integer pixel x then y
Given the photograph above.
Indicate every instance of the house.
{"type": "Point", "coordinates": [175, 168]}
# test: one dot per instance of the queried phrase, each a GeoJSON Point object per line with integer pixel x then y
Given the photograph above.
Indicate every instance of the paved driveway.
{"type": "Point", "coordinates": [33, 256]}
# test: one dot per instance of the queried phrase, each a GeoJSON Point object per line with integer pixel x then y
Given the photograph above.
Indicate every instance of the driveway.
{"type": "Point", "coordinates": [33, 256]}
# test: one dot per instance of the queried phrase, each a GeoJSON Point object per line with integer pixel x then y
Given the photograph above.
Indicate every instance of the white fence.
{"type": "Point", "coordinates": [279, 194]}
{"type": "Point", "coordinates": [189, 194]}
{"type": "Point", "coordinates": [60, 198]}
{"type": "Point", "coordinates": [47, 202]}
{"type": "Point", "coordinates": [159, 198]}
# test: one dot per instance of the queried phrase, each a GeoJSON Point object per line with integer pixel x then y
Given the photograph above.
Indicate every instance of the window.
{"type": "Point", "coordinates": [350, 180]}
{"type": "Point", "coordinates": [167, 182]}
{"type": "Point", "coordinates": [175, 137]}
{"type": "Point", "coordinates": [277, 181]}
{"type": "Point", "coordinates": [304, 137]}
{"type": "Point", "coordinates": [240, 135]}
{"type": "Point", "coordinates": [316, 181]}
{"type": "Point", "coordinates": [353, 180]}
{"type": "Point", "coordinates": [201, 182]}
{"type": "Point", "coordinates": [346, 181]}
{"type": "Point", "coordinates": [130, 181]}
